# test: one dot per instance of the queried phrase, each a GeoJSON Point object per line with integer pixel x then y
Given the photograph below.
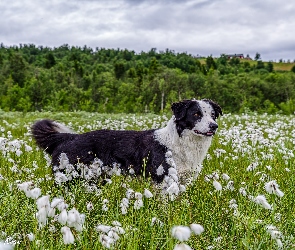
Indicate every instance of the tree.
{"type": "Point", "coordinates": [222, 60]}
{"type": "Point", "coordinates": [119, 69]}
{"type": "Point", "coordinates": [293, 69]}
{"type": "Point", "coordinates": [257, 56]}
{"type": "Point", "coordinates": [210, 63]}
{"type": "Point", "coordinates": [17, 68]}
{"type": "Point", "coordinates": [269, 67]}
{"type": "Point", "coordinates": [260, 65]}
{"type": "Point", "coordinates": [49, 60]}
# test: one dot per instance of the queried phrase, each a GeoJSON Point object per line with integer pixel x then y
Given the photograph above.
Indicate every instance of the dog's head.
{"type": "Point", "coordinates": [198, 116]}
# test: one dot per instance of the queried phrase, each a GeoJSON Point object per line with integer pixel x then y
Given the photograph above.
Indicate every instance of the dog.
{"type": "Point", "coordinates": [181, 145]}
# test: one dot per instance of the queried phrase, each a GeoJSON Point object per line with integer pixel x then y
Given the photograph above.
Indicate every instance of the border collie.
{"type": "Point", "coordinates": [182, 145]}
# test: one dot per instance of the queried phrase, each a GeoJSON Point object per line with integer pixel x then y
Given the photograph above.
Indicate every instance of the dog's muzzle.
{"type": "Point", "coordinates": [212, 130]}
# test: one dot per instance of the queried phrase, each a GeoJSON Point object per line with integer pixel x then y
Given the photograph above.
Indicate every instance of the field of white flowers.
{"type": "Point", "coordinates": [244, 197]}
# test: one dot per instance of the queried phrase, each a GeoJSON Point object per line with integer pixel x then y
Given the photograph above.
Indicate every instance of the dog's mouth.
{"type": "Point", "coordinates": [209, 133]}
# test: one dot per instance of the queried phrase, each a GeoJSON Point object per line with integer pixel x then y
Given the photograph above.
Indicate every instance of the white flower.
{"type": "Point", "coordinates": [63, 161]}
{"type": "Point", "coordinates": [230, 186]}
{"type": "Point", "coordinates": [275, 234]}
{"type": "Point", "coordinates": [273, 188]}
{"type": "Point", "coordinates": [89, 206]}
{"type": "Point", "coordinates": [63, 217]}
{"type": "Point", "coordinates": [147, 193]}
{"type": "Point", "coordinates": [173, 189]}
{"type": "Point", "coordinates": [125, 202]}
{"type": "Point", "coordinates": [215, 176]}
{"type": "Point", "coordinates": [112, 234]}
{"type": "Point", "coordinates": [43, 202]}
{"type": "Point", "coordinates": [75, 219]}
{"type": "Point", "coordinates": [104, 207]}
{"type": "Point", "coordinates": [197, 228]}
{"type": "Point", "coordinates": [156, 220]}
{"type": "Point", "coordinates": [279, 242]}
{"type": "Point", "coordinates": [61, 206]}
{"type": "Point", "coordinates": [129, 193]}
{"type": "Point", "coordinates": [252, 166]}
{"type": "Point", "coordinates": [33, 193]}
{"type": "Point", "coordinates": [56, 201]}
{"type": "Point", "coordinates": [182, 246]}
{"type": "Point", "coordinates": [106, 241]}
{"type": "Point", "coordinates": [174, 177]}
{"type": "Point", "coordinates": [25, 186]}
{"type": "Point", "coordinates": [103, 228]}
{"type": "Point", "coordinates": [217, 185]}
{"type": "Point", "coordinates": [68, 237]}
{"type": "Point", "coordinates": [225, 177]}
{"type": "Point", "coordinates": [52, 229]}
{"type": "Point", "coordinates": [124, 209]}
{"type": "Point", "coordinates": [181, 233]}
{"type": "Point", "coordinates": [41, 216]}
{"type": "Point", "coordinates": [233, 204]}
{"type": "Point", "coordinates": [118, 229]}
{"type": "Point", "coordinates": [137, 195]}
{"type": "Point", "coordinates": [30, 236]}
{"type": "Point", "coordinates": [116, 223]}
{"type": "Point", "coordinates": [260, 199]}
{"type": "Point", "coordinates": [60, 178]}
{"type": "Point", "coordinates": [172, 171]}
{"type": "Point", "coordinates": [160, 170]}
{"type": "Point", "coordinates": [28, 148]}
{"type": "Point", "coordinates": [243, 191]}
{"type": "Point", "coordinates": [6, 246]}
{"type": "Point", "coordinates": [18, 152]}
{"type": "Point", "coordinates": [138, 204]}
{"type": "Point", "coordinates": [182, 188]}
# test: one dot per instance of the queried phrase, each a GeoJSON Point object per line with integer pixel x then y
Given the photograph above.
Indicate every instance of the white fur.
{"type": "Point", "coordinates": [188, 151]}
{"type": "Point", "coordinates": [203, 125]}
{"type": "Point", "coordinates": [60, 128]}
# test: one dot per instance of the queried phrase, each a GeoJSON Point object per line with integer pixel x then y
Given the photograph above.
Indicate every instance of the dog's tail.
{"type": "Point", "coordinates": [49, 134]}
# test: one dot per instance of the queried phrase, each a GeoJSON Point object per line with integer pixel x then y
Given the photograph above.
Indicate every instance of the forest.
{"type": "Point", "coordinates": [69, 78]}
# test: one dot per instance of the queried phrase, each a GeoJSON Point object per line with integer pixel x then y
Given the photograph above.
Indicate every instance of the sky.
{"type": "Point", "coordinates": [198, 27]}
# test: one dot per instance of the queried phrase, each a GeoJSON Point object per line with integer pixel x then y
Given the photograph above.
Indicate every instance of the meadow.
{"type": "Point", "coordinates": [243, 199]}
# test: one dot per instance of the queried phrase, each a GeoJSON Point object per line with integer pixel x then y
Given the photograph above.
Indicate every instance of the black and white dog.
{"type": "Point", "coordinates": [182, 144]}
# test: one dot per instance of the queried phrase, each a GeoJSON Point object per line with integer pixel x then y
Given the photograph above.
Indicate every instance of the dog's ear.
{"type": "Point", "coordinates": [215, 106]}
{"type": "Point", "coordinates": [179, 108]}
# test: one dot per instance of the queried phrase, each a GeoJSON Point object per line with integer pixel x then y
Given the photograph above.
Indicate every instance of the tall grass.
{"type": "Point", "coordinates": [251, 150]}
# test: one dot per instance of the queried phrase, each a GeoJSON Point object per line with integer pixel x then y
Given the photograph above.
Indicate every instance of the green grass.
{"type": "Point", "coordinates": [267, 140]}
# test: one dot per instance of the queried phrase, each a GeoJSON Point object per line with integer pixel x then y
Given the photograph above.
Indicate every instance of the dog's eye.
{"type": "Point", "coordinates": [213, 115]}
{"type": "Point", "coordinates": [198, 114]}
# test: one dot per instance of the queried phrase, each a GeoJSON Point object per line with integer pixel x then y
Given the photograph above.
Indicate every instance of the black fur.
{"type": "Point", "coordinates": [129, 148]}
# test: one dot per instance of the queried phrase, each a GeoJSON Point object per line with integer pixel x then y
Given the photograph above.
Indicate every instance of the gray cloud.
{"type": "Point", "coordinates": [196, 26]}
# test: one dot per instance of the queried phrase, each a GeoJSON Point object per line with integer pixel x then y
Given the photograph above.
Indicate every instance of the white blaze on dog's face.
{"type": "Point", "coordinates": [198, 116]}
{"type": "Point", "coordinates": [205, 124]}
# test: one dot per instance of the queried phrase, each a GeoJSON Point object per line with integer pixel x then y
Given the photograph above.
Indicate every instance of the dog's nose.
{"type": "Point", "coordinates": [213, 126]}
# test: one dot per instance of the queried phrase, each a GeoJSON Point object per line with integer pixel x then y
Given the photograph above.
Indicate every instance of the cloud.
{"type": "Point", "coordinates": [196, 26]}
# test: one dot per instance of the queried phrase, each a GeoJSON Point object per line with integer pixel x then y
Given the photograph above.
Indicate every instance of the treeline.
{"type": "Point", "coordinates": [113, 80]}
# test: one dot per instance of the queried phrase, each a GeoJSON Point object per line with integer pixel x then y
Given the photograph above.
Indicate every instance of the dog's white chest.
{"type": "Point", "coordinates": [188, 151]}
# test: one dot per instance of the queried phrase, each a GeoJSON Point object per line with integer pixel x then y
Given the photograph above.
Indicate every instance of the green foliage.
{"type": "Point", "coordinates": [269, 67]}
{"type": "Point", "coordinates": [232, 217]}
{"type": "Point", "coordinates": [105, 80]}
